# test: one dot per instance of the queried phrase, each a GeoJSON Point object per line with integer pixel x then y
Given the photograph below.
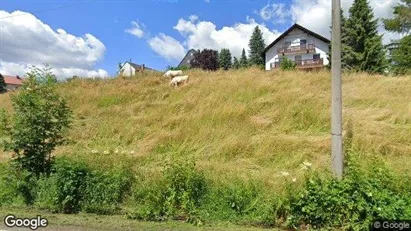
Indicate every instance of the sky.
{"type": "Point", "coordinates": [90, 37]}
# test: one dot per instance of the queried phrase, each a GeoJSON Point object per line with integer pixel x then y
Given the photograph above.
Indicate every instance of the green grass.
{"type": "Point", "coordinates": [91, 222]}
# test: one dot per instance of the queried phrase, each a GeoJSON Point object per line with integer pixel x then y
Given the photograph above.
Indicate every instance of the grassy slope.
{"type": "Point", "coordinates": [237, 123]}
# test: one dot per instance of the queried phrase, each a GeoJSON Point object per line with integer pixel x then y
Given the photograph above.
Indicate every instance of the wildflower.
{"type": "Point", "coordinates": [285, 173]}
{"type": "Point", "coordinates": [94, 151]}
{"type": "Point", "coordinates": [379, 209]}
{"type": "Point", "coordinates": [132, 152]}
{"type": "Point", "coordinates": [294, 180]}
{"type": "Point", "coordinates": [106, 152]}
{"type": "Point", "coordinates": [122, 152]}
{"type": "Point", "coordinates": [369, 194]}
{"type": "Point", "coordinates": [116, 151]}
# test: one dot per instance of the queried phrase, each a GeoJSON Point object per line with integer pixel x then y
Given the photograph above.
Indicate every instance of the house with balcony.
{"type": "Point", "coordinates": [300, 45]}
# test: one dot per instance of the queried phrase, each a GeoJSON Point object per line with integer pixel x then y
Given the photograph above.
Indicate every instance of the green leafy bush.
{"type": "Point", "coordinates": [286, 64]}
{"type": "Point", "coordinates": [176, 196]}
{"type": "Point", "coordinates": [68, 179]}
{"type": "Point", "coordinates": [39, 122]}
{"type": "Point", "coordinates": [105, 191]}
{"type": "Point", "coordinates": [15, 186]}
{"type": "Point", "coordinates": [352, 203]}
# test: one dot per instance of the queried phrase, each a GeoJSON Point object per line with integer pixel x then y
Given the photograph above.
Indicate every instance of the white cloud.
{"type": "Point", "coordinates": [25, 41]}
{"type": "Point", "coordinates": [193, 18]}
{"type": "Point", "coordinates": [204, 34]}
{"type": "Point", "coordinates": [207, 1]}
{"type": "Point", "coordinates": [135, 30]}
{"type": "Point", "coordinates": [167, 47]}
{"type": "Point", "coordinates": [316, 14]}
{"type": "Point", "coordinates": [276, 12]}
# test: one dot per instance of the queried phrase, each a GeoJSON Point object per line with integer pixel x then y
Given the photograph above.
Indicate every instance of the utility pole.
{"type": "Point", "coordinates": [336, 103]}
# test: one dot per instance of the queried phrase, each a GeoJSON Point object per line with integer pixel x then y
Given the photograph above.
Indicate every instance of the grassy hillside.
{"type": "Point", "coordinates": [234, 123]}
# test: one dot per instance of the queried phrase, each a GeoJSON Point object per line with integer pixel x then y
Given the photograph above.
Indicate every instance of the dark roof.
{"type": "Point", "coordinates": [301, 28]}
{"type": "Point", "coordinates": [190, 51]}
{"type": "Point", "coordinates": [138, 67]}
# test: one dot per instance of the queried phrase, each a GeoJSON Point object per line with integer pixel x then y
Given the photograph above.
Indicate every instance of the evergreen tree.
{"type": "Point", "coordinates": [344, 47]}
{"type": "Point", "coordinates": [2, 84]}
{"type": "Point", "coordinates": [400, 50]}
{"type": "Point", "coordinates": [236, 64]}
{"type": "Point", "coordinates": [401, 22]}
{"type": "Point", "coordinates": [401, 56]}
{"type": "Point", "coordinates": [365, 51]}
{"type": "Point", "coordinates": [243, 60]}
{"type": "Point", "coordinates": [225, 59]}
{"type": "Point", "coordinates": [257, 46]}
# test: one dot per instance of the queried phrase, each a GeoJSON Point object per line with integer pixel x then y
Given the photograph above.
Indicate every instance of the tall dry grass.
{"type": "Point", "coordinates": [246, 123]}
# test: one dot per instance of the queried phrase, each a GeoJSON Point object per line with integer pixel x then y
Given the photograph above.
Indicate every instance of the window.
{"type": "Point", "coordinates": [287, 44]}
{"type": "Point", "coordinates": [298, 58]}
{"type": "Point", "coordinates": [303, 42]}
{"type": "Point", "coordinates": [316, 56]}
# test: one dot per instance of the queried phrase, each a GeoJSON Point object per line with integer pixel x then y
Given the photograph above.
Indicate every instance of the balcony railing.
{"type": "Point", "coordinates": [307, 63]}
{"type": "Point", "coordinates": [306, 48]}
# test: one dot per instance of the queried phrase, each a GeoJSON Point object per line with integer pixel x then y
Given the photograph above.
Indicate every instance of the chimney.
{"type": "Point", "coordinates": [18, 77]}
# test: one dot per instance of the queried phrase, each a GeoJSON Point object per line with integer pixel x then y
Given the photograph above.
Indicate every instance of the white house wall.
{"type": "Point", "coordinates": [127, 70]}
{"type": "Point", "coordinates": [294, 37]}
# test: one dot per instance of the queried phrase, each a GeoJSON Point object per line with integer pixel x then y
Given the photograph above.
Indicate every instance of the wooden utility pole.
{"type": "Point", "coordinates": [336, 104]}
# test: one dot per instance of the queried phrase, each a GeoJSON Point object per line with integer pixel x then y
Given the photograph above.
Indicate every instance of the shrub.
{"type": "Point", "coordinates": [15, 186]}
{"type": "Point", "coordinates": [65, 185]}
{"type": "Point", "coordinates": [176, 196]}
{"type": "Point", "coordinates": [40, 119]}
{"type": "Point", "coordinates": [351, 203]}
{"type": "Point", "coordinates": [105, 191]}
{"type": "Point", "coordinates": [286, 64]}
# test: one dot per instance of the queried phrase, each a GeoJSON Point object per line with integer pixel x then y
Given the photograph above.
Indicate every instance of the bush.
{"type": "Point", "coordinates": [176, 196]}
{"type": "Point", "coordinates": [40, 120]}
{"type": "Point", "coordinates": [105, 191]}
{"type": "Point", "coordinates": [352, 203]}
{"type": "Point", "coordinates": [15, 186]}
{"type": "Point", "coordinates": [286, 64]}
{"type": "Point", "coordinates": [63, 190]}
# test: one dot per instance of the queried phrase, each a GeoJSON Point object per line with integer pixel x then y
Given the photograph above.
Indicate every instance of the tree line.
{"type": "Point", "coordinates": [362, 46]}
{"type": "Point", "coordinates": [209, 59]}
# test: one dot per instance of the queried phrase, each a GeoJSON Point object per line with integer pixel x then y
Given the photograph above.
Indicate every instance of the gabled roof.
{"type": "Point", "coordinates": [297, 26]}
{"type": "Point", "coordinates": [137, 66]}
{"type": "Point", "coordinates": [189, 52]}
{"type": "Point", "coordinates": [14, 80]}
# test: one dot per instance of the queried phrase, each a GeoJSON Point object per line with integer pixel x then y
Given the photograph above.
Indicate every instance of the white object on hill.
{"type": "Point", "coordinates": [171, 73]}
{"type": "Point", "coordinates": [179, 79]}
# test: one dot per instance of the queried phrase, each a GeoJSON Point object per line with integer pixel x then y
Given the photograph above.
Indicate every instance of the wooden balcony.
{"type": "Point", "coordinates": [303, 64]}
{"type": "Point", "coordinates": [301, 49]}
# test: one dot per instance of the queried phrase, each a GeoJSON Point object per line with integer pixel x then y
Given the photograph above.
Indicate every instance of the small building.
{"type": "Point", "coordinates": [130, 69]}
{"type": "Point", "coordinates": [186, 61]}
{"type": "Point", "coordinates": [302, 46]}
{"type": "Point", "coordinates": [12, 82]}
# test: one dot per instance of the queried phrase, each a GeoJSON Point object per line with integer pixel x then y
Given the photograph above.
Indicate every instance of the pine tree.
{"type": "Point", "coordinates": [236, 64]}
{"type": "Point", "coordinates": [401, 22]}
{"type": "Point", "coordinates": [225, 59]}
{"type": "Point", "coordinates": [364, 49]}
{"type": "Point", "coordinates": [257, 46]}
{"type": "Point", "coordinates": [243, 60]}
{"type": "Point", "coordinates": [400, 50]}
{"type": "Point", "coordinates": [344, 47]}
{"type": "Point", "coordinates": [2, 84]}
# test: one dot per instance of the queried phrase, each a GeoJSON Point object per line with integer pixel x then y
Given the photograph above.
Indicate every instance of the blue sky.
{"type": "Point", "coordinates": [154, 32]}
